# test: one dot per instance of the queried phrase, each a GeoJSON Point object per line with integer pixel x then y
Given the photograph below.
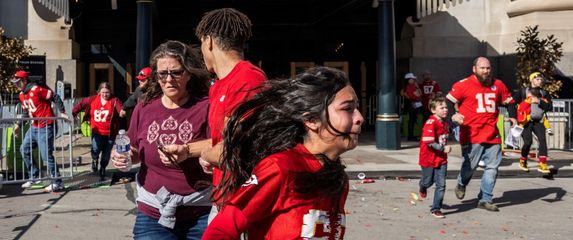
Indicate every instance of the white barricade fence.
{"type": "Point", "coordinates": [560, 121]}
{"type": "Point", "coordinates": [43, 145]}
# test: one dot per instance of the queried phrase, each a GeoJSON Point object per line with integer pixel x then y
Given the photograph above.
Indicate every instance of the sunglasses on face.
{"type": "Point", "coordinates": [175, 74]}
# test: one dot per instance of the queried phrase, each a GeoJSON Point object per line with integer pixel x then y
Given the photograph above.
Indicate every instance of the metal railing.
{"type": "Point", "coordinates": [12, 167]}
{"type": "Point", "coordinates": [428, 7]}
{"type": "Point", "coordinates": [36, 145]}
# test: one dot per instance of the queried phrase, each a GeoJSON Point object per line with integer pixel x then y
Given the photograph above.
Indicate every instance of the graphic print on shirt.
{"type": "Point", "coordinates": [253, 180]}
{"type": "Point", "coordinates": [186, 131]}
{"type": "Point", "coordinates": [29, 104]}
{"type": "Point", "coordinates": [101, 115]}
{"type": "Point", "coordinates": [428, 89]}
{"type": "Point", "coordinates": [169, 124]}
{"type": "Point", "coordinates": [443, 139]}
{"type": "Point", "coordinates": [171, 131]}
{"type": "Point", "coordinates": [317, 225]}
{"type": "Point", "coordinates": [152, 132]}
{"type": "Point", "coordinates": [486, 102]}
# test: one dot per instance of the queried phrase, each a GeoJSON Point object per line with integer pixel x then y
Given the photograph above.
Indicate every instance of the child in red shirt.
{"type": "Point", "coordinates": [433, 154]}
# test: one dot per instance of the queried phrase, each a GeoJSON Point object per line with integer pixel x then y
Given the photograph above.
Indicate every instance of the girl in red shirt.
{"type": "Point", "coordinates": [282, 174]}
{"type": "Point", "coordinates": [102, 110]}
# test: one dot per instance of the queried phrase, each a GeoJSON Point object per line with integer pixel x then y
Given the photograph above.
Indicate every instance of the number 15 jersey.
{"type": "Point", "coordinates": [479, 106]}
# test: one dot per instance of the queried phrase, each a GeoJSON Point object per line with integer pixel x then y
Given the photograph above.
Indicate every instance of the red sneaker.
{"type": "Point", "coordinates": [423, 194]}
{"type": "Point", "coordinates": [438, 214]}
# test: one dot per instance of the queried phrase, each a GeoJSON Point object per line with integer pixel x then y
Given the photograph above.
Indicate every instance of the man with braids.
{"type": "Point", "coordinates": [282, 174]}
{"type": "Point", "coordinates": [223, 33]}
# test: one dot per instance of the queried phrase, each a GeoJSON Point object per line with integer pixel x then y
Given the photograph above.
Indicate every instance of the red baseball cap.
{"type": "Point", "coordinates": [144, 74]}
{"type": "Point", "coordinates": [19, 75]}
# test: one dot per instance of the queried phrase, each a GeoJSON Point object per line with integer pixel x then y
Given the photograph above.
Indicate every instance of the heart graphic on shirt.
{"type": "Point", "coordinates": [166, 139]}
{"type": "Point", "coordinates": [169, 124]}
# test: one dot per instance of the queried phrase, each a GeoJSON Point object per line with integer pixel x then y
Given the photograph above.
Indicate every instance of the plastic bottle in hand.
{"type": "Point", "coordinates": [123, 147]}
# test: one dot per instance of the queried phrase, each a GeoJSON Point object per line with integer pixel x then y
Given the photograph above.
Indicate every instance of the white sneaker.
{"type": "Point", "coordinates": [29, 184]}
{"type": "Point", "coordinates": [481, 164]}
{"type": "Point", "coordinates": [54, 188]}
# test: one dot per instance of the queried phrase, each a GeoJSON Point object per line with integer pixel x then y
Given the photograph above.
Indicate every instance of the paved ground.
{"type": "Point", "coordinates": [532, 207]}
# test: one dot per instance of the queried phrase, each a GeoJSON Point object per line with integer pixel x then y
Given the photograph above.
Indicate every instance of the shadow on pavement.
{"type": "Point", "coordinates": [522, 196]}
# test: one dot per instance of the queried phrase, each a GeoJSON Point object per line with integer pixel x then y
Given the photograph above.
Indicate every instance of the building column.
{"type": "Point", "coordinates": [143, 36]}
{"type": "Point", "coordinates": [387, 118]}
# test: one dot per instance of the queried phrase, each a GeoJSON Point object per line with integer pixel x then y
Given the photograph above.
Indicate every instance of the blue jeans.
{"type": "Point", "coordinates": [101, 144]}
{"type": "Point", "coordinates": [435, 175]}
{"type": "Point", "coordinates": [472, 154]}
{"type": "Point", "coordinates": [43, 138]}
{"type": "Point", "coordinates": [147, 228]}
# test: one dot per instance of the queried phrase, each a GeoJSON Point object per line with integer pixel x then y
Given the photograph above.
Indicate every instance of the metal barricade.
{"type": "Point", "coordinates": [560, 120]}
{"type": "Point", "coordinates": [48, 147]}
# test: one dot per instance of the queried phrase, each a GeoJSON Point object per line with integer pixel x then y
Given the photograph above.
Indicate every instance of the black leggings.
{"type": "Point", "coordinates": [539, 130]}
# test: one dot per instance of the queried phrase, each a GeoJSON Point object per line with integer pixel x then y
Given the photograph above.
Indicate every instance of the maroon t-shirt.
{"type": "Point", "coordinates": [152, 124]}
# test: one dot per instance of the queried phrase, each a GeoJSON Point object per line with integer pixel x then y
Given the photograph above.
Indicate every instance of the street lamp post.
{"type": "Point", "coordinates": [387, 118]}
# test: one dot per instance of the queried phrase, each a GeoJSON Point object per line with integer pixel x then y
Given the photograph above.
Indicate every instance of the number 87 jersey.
{"type": "Point", "coordinates": [479, 106]}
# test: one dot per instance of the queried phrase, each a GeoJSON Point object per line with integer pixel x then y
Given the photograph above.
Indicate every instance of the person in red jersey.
{"type": "Point", "coordinates": [103, 112]}
{"type": "Point", "coordinates": [477, 99]}
{"type": "Point", "coordinates": [434, 154]}
{"type": "Point", "coordinates": [173, 197]}
{"type": "Point", "coordinates": [36, 99]}
{"type": "Point", "coordinates": [223, 33]}
{"type": "Point", "coordinates": [282, 173]}
{"type": "Point", "coordinates": [429, 89]}
{"type": "Point", "coordinates": [414, 95]}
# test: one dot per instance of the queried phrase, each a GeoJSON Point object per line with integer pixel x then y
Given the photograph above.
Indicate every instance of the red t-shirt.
{"type": "Point", "coordinates": [38, 102]}
{"type": "Point", "coordinates": [153, 124]}
{"type": "Point", "coordinates": [429, 89]}
{"type": "Point", "coordinates": [101, 116]}
{"type": "Point", "coordinates": [479, 106]}
{"type": "Point", "coordinates": [435, 130]}
{"type": "Point", "coordinates": [241, 84]}
{"type": "Point", "coordinates": [412, 91]}
{"type": "Point", "coordinates": [267, 207]}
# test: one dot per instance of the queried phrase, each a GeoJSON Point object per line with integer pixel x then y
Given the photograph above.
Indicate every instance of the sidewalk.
{"type": "Point", "coordinates": [377, 163]}
{"type": "Point", "coordinates": [404, 162]}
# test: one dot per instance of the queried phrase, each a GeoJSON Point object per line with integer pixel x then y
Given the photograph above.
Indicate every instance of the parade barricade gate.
{"type": "Point", "coordinates": [12, 166]}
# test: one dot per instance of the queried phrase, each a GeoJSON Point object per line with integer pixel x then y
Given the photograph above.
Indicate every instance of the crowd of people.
{"type": "Point", "coordinates": [251, 158]}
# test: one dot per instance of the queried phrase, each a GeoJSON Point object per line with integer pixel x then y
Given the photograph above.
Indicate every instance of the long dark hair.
{"type": "Point", "coordinates": [273, 121]}
{"type": "Point", "coordinates": [191, 60]}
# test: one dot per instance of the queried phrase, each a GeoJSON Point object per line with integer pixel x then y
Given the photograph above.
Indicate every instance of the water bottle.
{"type": "Point", "coordinates": [122, 146]}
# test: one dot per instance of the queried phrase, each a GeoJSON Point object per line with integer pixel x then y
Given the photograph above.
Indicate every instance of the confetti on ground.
{"type": "Point", "coordinates": [414, 196]}
{"type": "Point", "coordinates": [395, 209]}
{"type": "Point", "coordinates": [367, 180]}
{"type": "Point", "coordinates": [443, 231]}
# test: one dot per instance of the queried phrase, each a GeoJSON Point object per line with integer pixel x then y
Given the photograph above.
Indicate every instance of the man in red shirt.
{"type": "Point", "coordinates": [429, 90]}
{"type": "Point", "coordinates": [223, 33]}
{"type": "Point", "coordinates": [477, 98]}
{"type": "Point", "coordinates": [36, 99]}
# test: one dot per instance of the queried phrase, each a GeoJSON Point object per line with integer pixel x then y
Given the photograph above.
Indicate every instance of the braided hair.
{"type": "Point", "coordinates": [227, 26]}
